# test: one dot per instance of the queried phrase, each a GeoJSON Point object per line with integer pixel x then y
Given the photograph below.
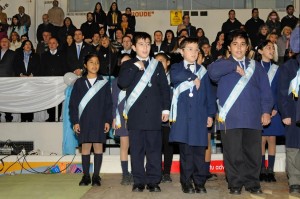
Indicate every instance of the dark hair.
{"type": "Point", "coordinates": [78, 30]}
{"type": "Point", "coordinates": [254, 9]}
{"type": "Point", "coordinates": [18, 36]}
{"type": "Point", "coordinates": [289, 6]}
{"type": "Point", "coordinates": [18, 23]}
{"type": "Point", "coordinates": [117, 9]}
{"type": "Point", "coordinates": [179, 33]}
{"type": "Point", "coordinates": [198, 29]}
{"type": "Point", "coordinates": [127, 37]}
{"type": "Point", "coordinates": [128, 8]}
{"type": "Point", "coordinates": [169, 31]}
{"type": "Point", "coordinates": [103, 29]}
{"type": "Point", "coordinates": [98, 3]}
{"type": "Point", "coordinates": [163, 54]}
{"type": "Point", "coordinates": [231, 11]}
{"type": "Point", "coordinates": [218, 35]}
{"type": "Point", "coordinates": [260, 46]}
{"type": "Point", "coordinates": [237, 34]}
{"type": "Point", "coordinates": [125, 15]}
{"type": "Point", "coordinates": [157, 32]}
{"type": "Point", "coordinates": [188, 40]}
{"type": "Point", "coordinates": [24, 43]}
{"type": "Point", "coordinates": [89, 13]}
{"type": "Point", "coordinates": [88, 57]}
{"type": "Point", "coordinates": [140, 35]}
{"type": "Point", "coordinates": [71, 22]}
{"type": "Point", "coordinates": [185, 16]}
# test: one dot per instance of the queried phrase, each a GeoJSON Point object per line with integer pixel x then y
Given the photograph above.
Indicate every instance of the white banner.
{"type": "Point", "coordinates": [30, 94]}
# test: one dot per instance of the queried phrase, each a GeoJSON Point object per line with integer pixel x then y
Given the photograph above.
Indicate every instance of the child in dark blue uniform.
{"type": "Point", "coordinates": [91, 116]}
{"type": "Point", "coordinates": [194, 113]}
{"type": "Point", "coordinates": [265, 52]}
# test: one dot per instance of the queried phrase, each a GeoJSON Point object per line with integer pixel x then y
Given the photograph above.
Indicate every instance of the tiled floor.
{"type": "Point", "coordinates": [111, 189]}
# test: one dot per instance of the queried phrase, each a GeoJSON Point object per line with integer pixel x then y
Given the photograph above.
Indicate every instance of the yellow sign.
{"type": "Point", "coordinates": [175, 17]}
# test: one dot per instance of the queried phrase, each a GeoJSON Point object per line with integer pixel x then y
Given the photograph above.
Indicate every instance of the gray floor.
{"type": "Point", "coordinates": [111, 189]}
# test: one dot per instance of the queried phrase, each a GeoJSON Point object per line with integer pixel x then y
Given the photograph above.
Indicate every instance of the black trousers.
{"type": "Point", "coordinates": [192, 164]}
{"type": "Point", "coordinates": [26, 117]}
{"type": "Point", "coordinates": [51, 112]}
{"type": "Point", "coordinates": [147, 143]}
{"type": "Point", "coordinates": [167, 149]}
{"type": "Point", "coordinates": [242, 157]}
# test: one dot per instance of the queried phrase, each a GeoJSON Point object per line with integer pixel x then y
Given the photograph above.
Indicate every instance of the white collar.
{"type": "Point", "coordinates": [142, 58]}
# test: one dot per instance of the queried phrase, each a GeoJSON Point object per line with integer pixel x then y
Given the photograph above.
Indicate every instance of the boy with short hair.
{"type": "Point", "coordinates": [147, 105]}
{"type": "Point", "coordinates": [245, 103]}
{"type": "Point", "coordinates": [192, 111]}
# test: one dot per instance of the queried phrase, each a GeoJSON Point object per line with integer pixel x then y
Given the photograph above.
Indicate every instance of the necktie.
{"type": "Point", "coordinates": [145, 63]}
{"type": "Point", "coordinates": [78, 51]}
{"type": "Point", "coordinates": [242, 65]}
{"type": "Point", "coordinates": [189, 66]}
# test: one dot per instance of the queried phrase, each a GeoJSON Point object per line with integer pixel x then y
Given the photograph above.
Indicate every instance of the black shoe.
{"type": "Point", "coordinates": [263, 175]}
{"type": "Point", "coordinates": [235, 190]}
{"type": "Point", "coordinates": [166, 178]}
{"type": "Point", "coordinates": [86, 180]}
{"type": "Point", "coordinates": [138, 188]}
{"type": "Point", "coordinates": [211, 177]}
{"type": "Point", "coordinates": [96, 181]}
{"type": "Point", "coordinates": [126, 179]}
{"type": "Point", "coordinates": [153, 188]}
{"type": "Point", "coordinates": [187, 188]}
{"type": "Point", "coordinates": [254, 190]}
{"type": "Point", "coordinates": [270, 175]}
{"type": "Point", "coordinates": [200, 188]}
{"type": "Point", "coordinates": [295, 188]}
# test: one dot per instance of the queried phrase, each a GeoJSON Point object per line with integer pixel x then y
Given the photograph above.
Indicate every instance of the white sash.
{"type": "Point", "coordinates": [141, 85]}
{"type": "Point", "coordinates": [272, 72]}
{"type": "Point", "coordinates": [90, 94]}
{"type": "Point", "coordinates": [235, 93]}
{"type": "Point", "coordinates": [181, 88]}
{"type": "Point", "coordinates": [121, 97]}
{"type": "Point", "coordinates": [294, 84]}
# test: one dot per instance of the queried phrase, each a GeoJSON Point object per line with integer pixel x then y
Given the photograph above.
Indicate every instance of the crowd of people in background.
{"type": "Point", "coordinates": [62, 47]}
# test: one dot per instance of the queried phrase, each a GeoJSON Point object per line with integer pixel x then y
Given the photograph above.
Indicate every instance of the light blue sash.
{"type": "Point", "coordinates": [181, 88]}
{"type": "Point", "coordinates": [294, 84]}
{"type": "Point", "coordinates": [272, 72]}
{"type": "Point", "coordinates": [235, 93]}
{"type": "Point", "coordinates": [141, 85]}
{"type": "Point", "coordinates": [121, 97]}
{"type": "Point", "coordinates": [90, 94]}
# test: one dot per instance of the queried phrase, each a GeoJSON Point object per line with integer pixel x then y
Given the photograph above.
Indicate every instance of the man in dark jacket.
{"type": "Point", "coordinates": [253, 24]}
{"type": "Point", "coordinates": [231, 24]}
{"type": "Point", "coordinates": [289, 20]}
{"type": "Point", "coordinates": [89, 28]}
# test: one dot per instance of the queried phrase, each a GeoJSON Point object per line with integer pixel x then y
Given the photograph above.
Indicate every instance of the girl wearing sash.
{"type": "Point", "coordinates": [245, 102]}
{"type": "Point", "coordinates": [165, 126]}
{"type": "Point", "coordinates": [119, 125]}
{"type": "Point", "coordinates": [265, 54]}
{"type": "Point", "coordinates": [192, 111]}
{"type": "Point", "coordinates": [91, 116]}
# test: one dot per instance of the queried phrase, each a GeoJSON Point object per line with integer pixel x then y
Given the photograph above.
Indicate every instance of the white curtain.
{"type": "Point", "coordinates": [30, 94]}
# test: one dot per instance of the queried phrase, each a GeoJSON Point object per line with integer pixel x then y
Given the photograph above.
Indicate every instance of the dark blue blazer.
{"type": "Point", "coordinates": [146, 112]}
{"type": "Point", "coordinates": [192, 112]}
{"type": "Point", "coordinates": [73, 62]}
{"type": "Point", "coordinates": [287, 104]}
{"type": "Point", "coordinates": [255, 99]}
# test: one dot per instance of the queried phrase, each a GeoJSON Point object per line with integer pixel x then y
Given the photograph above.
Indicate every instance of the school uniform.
{"type": "Point", "coordinates": [190, 128]}
{"type": "Point", "coordinates": [241, 131]}
{"type": "Point", "coordinates": [144, 120]}
{"type": "Point", "coordinates": [276, 127]}
{"type": "Point", "coordinates": [122, 131]}
{"type": "Point", "coordinates": [97, 112]}
{"type": "Point", "coordinates": [287, 105]}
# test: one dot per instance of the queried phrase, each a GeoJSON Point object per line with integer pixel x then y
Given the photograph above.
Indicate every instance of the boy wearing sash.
{"type": "Point", "coordinates": [147, 105]}
{"type": "Point", "coordinates": [91, 115]}
{"type": "Point", "coordinates": [288, 104]}
{"type": "Point", "coordinates": [245, 102]}
{"type": "Point", "coordinates": [192, 111]}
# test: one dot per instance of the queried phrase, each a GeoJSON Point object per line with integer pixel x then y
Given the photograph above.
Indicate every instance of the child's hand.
{"type": "Point", "coordinates": [140, 65]}
{"type": "Point", "coordinates": [209, 122]}
{"type": "Point", "coordinates": [165, 117]}
{"type": "Point", "coordinates": [113, 125]}
{"type": "Point", "coordinates": [106, 127]}
{"type": "Point", "coordinates": [240, 70]}
{"type": "Point", "coordinates": [76, 128]}
{"type": "Point", "coordinates": [287, 121]}
{"type": "Point", "coordinates": [197, 83]}
{"type": "Point", "coordinates": [77, 72]}
{"type": "Point", "coordinates": [265, 119]}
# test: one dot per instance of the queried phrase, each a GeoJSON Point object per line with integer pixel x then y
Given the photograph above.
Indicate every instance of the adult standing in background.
{"type": "Point", "coordinates": [186, 22]}
{"type": "Point", "coordinates": [89, 27]}
{"type": "Point", "coordinates": [3, 18]}
{"type": "Point", "coordinates": [273, 22]}
{"type": "Point", "coordinates": [99, 15]}
{"type": "Point", "coordinates": [232, 23]}
{"type": "Point", "coordinates": [16, 27]}
{"type": "Point", "coordinates": [131, 19]}
{"type": "Point", "coordinates": [252, 26]}
{"type": "Point", "coordinates": [67, 29]}
{"type": "Point", "coordinates": [114, 18]}
{"type": "Point", "coordinates": [45, 26]}
{"type": "Point", "coordinates": [24, 19]}
{"type": "Point", "coordinates": [289, 20]}
{"type": "Point", "coordinates": [56, 15]}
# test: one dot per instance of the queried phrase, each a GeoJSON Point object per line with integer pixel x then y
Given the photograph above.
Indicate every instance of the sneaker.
{"type": "Point", "coordinates": [211, 177]}
{"type": "Point", "coordinates": [126, 179]}
{"type": "Point", "coordinates": [96, 180]}
{"type": "Point", "coordinates": [86, 180]}
{"type": "Point", "coordinates": [166, 178]}
{"type": "Point", "coordinates": [271, 176]}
